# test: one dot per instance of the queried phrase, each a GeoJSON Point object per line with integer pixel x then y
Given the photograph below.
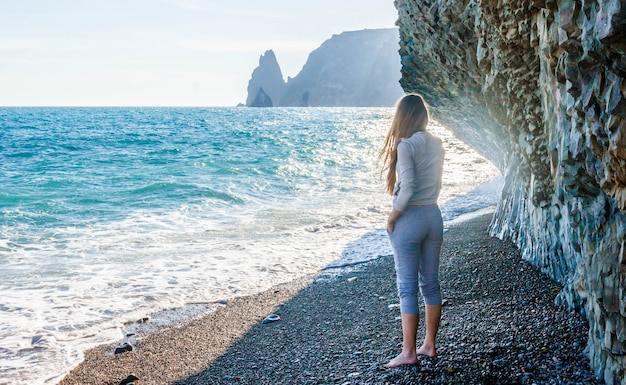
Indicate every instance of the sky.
{"type": "Point", "coordinates": [162, 52]}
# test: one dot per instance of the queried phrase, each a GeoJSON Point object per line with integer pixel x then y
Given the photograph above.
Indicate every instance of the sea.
{"type": "Point", "coordinates": [112, 215]}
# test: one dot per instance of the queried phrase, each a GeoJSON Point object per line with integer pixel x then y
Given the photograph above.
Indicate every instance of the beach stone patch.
{"type": "Point", "coordinates": [500, 325]}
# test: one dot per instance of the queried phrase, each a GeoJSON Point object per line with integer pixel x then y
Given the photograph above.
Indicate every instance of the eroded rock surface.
{"type": "Point", "coordinates": [538, 87]}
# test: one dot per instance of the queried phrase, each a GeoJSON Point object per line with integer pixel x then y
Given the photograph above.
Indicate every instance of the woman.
{"type": "Point", "coordinates": [413, 160]}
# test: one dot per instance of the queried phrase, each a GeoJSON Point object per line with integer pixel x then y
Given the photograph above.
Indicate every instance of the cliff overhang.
{"type": "Point", "coordinates": [537, 86]}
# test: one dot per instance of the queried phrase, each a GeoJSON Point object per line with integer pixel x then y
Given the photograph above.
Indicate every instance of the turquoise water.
{"type": "Point", "coordinates": [110, 214]}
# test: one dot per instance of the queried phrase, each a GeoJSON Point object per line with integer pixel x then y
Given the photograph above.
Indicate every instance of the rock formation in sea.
{"type": "Point", "coordinates": [356, 68]}
{"type": "Point", "coordinates": [538, 87]}
{"type": "Point", "coordinates": [267, 79]}
{"type": "Point", "coordinates": [261, 99]}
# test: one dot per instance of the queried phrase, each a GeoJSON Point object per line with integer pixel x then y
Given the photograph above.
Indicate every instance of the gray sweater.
{"type": "Point", "coordinates": [419, 169]}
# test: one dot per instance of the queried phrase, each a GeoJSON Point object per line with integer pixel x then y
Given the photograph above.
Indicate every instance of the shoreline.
{"type": "Point", "coordinates": [499, 325]}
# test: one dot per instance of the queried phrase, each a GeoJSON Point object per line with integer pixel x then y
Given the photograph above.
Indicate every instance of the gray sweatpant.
{"type": "Point", "coordinates": [416, 240]}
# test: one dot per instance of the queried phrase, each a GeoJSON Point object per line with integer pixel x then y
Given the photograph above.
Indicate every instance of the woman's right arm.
{"type": "Point", "coordinates": [405, 169]}
{"type": "Point", "coordinates": [406, 178]}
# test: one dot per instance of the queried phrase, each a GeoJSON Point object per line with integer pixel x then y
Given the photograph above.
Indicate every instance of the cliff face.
{"type": "Point", "coordinates": [356, 69]}
{"type": "Point", "coordinates": [538, 87]}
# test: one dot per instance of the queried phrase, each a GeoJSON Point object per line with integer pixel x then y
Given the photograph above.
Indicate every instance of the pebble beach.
{"type": "Point", "coordinates": [499, 326]}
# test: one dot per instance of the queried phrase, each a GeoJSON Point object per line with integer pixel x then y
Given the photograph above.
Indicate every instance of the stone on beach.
{"type": "Point", "coordinates": [271, 318]}
{"type": "Point", "coordinates": [130, 380]}
{"type": "Point", "coordinates": [123, 348]}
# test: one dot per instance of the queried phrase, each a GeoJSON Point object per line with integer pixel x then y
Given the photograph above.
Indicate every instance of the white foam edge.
{"type": "Point", "coordinates": [469, 216]}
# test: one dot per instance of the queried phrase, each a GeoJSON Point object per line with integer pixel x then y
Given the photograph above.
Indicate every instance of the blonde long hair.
{"type": "Point", "coordinates": [411, 116]}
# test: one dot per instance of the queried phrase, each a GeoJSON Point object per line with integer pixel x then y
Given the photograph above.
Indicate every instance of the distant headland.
{"type": "Point", "coordinates": [352, 69]}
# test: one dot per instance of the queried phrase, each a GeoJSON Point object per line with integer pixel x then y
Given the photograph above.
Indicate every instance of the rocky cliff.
{"type": "Point", "coordinates": [538, 87]}
{"type": "Point", "coordinates": [356, 68]}
{"type": "Point", "coordinates": [267, 79]}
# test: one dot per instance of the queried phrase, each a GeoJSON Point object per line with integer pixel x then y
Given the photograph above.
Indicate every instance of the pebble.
{"type": "Point", "coordinates": [123, 348]}
{"type": "Point", "coordinates": [130, 380]}
{"type": "Point", "coordinates": [271, 318]}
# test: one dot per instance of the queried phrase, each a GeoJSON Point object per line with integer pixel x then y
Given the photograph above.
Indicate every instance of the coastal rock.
{"type": "Point", "coordinates": [355, 68]}
{"type": "Point", "coordinates": [537, 86]}
{"type": "Point", "coordinates": [267, 79]}
{"type": "Point", "coordinates": [261, 99]}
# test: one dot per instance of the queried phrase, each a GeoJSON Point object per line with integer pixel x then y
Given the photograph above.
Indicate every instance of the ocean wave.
{"type": "Point", "coordinates": [184, 191]}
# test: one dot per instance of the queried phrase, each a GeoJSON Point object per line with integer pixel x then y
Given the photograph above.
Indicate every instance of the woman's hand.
{"type": "Point", "coordinates": [391, 221]}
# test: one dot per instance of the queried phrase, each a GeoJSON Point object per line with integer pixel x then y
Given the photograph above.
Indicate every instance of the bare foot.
{"type": "Point", "coordinates": [429, 351]}
{"type": "Point", "coordinates": [402, 359]}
